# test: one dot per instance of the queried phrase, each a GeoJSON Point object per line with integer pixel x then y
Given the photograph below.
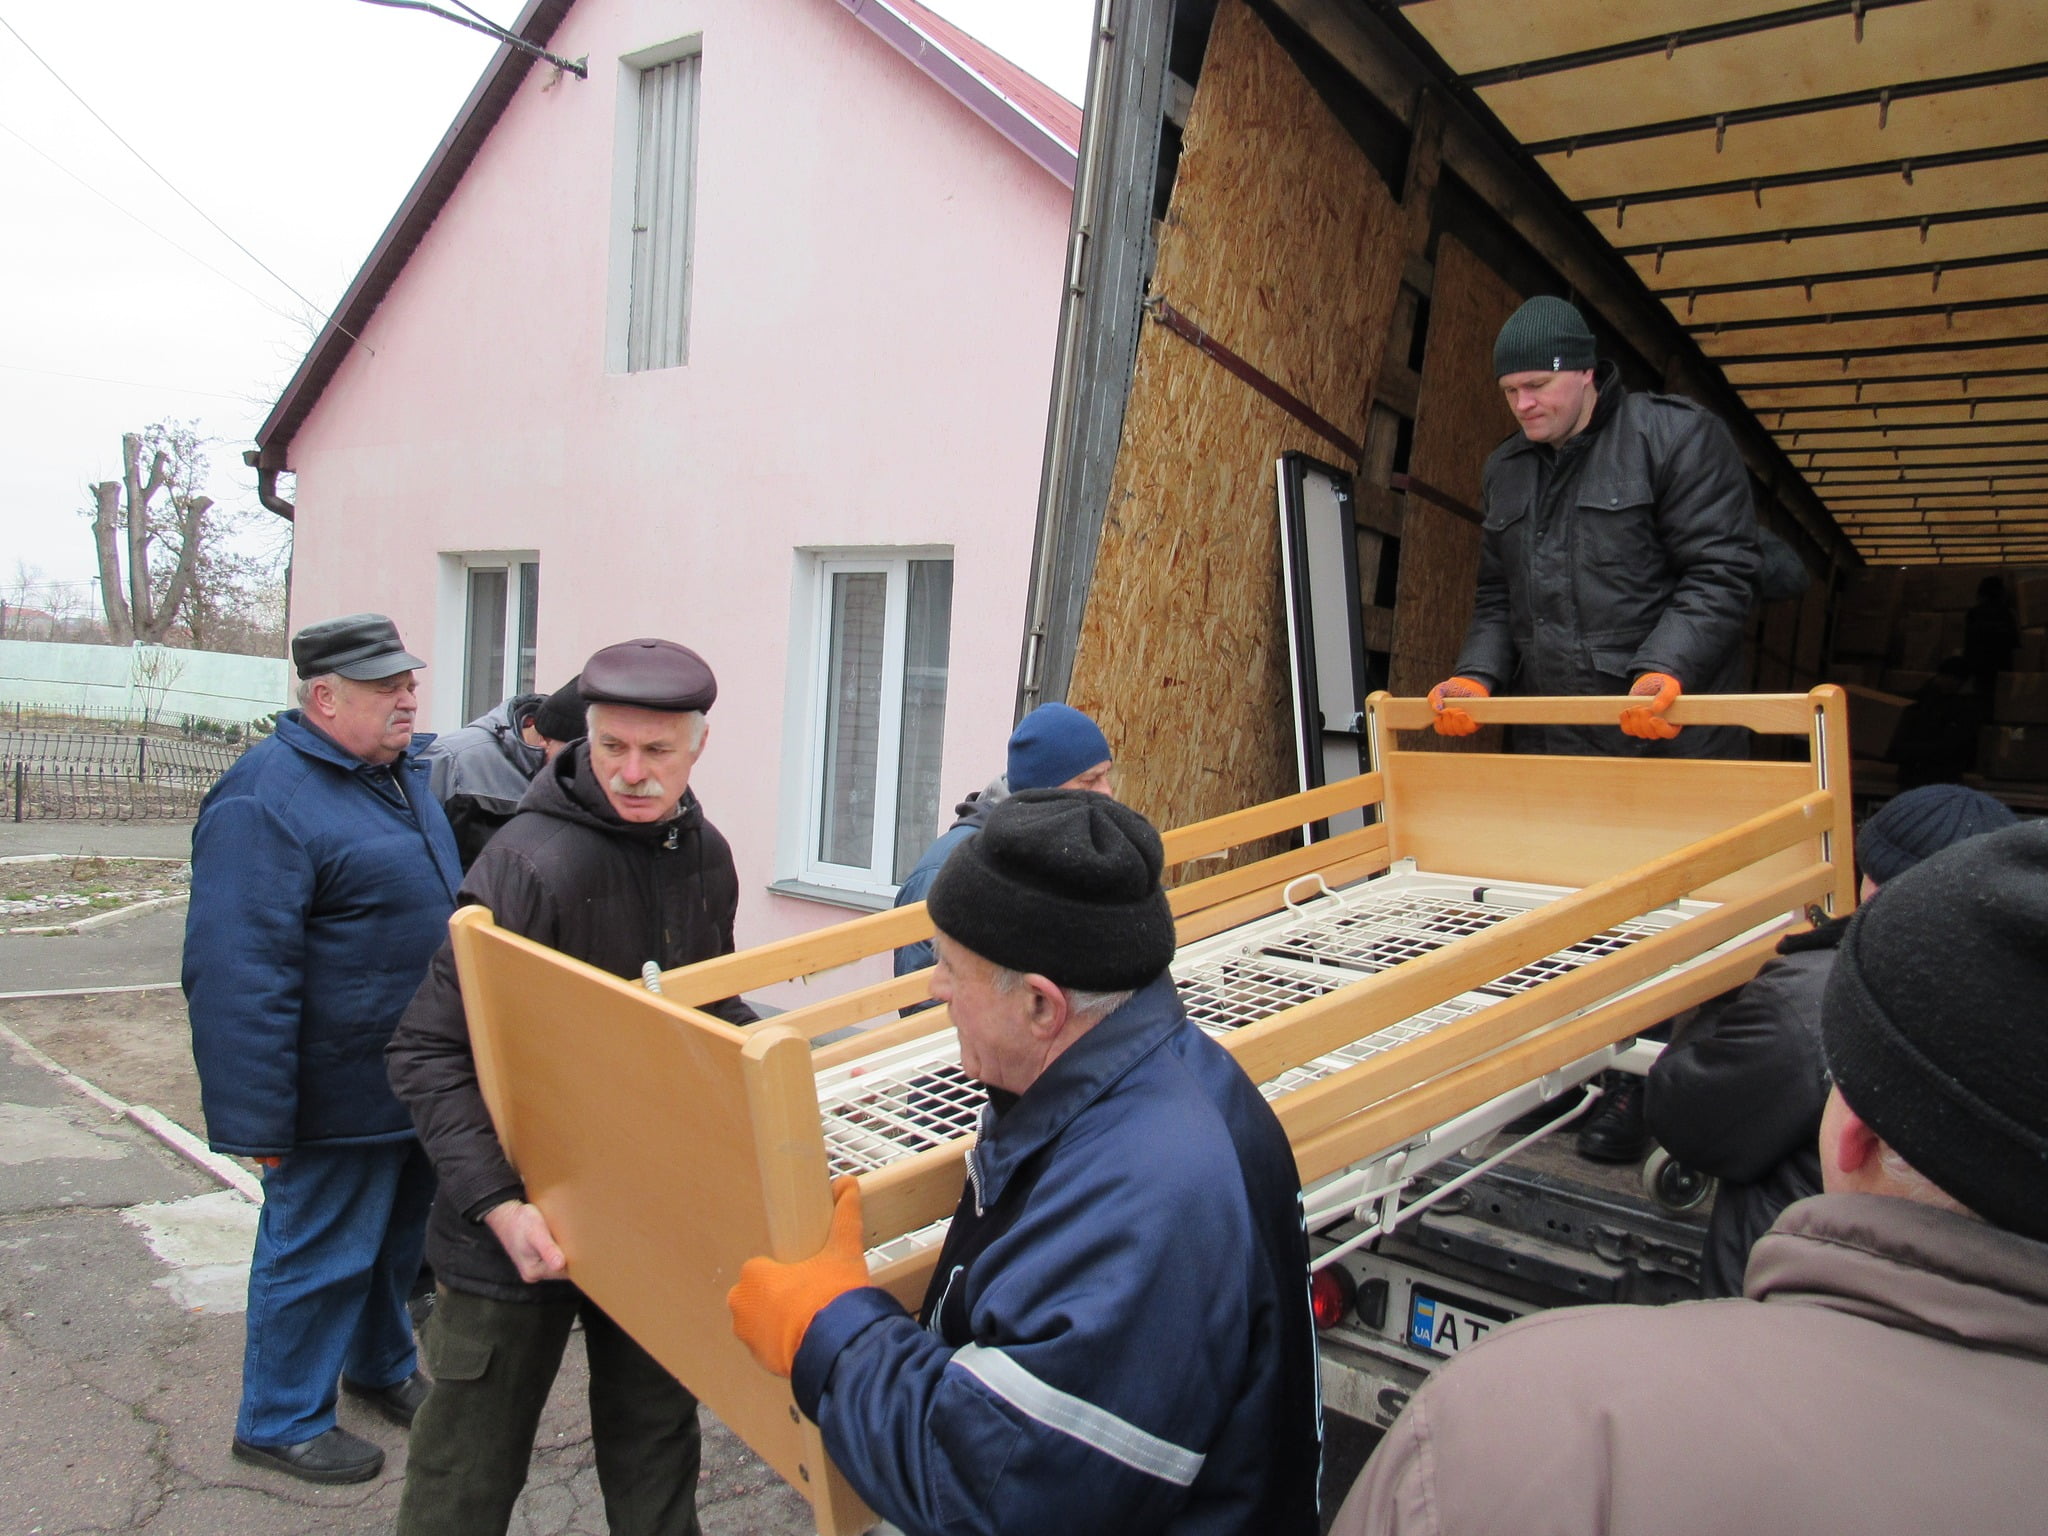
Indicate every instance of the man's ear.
{"type": "Point", "coordinates": [1847, 1145]}
{"type": "Point", "coordinates": [1048, 1014]}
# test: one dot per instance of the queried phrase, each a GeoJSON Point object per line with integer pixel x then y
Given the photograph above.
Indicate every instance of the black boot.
{"type": "Point", "coordinates": [1615, 1132]}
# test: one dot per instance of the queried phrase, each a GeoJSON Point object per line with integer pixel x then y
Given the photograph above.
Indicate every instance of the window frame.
{"type": "Point", "coordinates": [625, 177]}
{"type": "Point", "coordinates": [451, 627]}
{"type": "Point", "coordinates": [800, 868]}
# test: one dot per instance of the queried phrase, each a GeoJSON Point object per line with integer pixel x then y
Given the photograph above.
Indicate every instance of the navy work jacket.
{"type": "Point", "coordinates": [1117, 1338]}
{"type": "Point", "coordinates": [321, 887]}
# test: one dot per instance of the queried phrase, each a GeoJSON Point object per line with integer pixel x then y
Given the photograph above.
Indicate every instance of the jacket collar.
{"type": "Point", "coordinates": [1908, 1265]}
{"type": "Point", "coordinates": [300, 734]}
{"type": "Point", "coordinates": [567, 790]}
{"type": "Point", "coordinates": [1079, 1076]}
{"type": "Point", "coordinates": [1611, 392]}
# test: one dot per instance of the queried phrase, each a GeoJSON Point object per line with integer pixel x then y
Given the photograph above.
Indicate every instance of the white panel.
{"type": "Point", "coordinates": [664, 171]}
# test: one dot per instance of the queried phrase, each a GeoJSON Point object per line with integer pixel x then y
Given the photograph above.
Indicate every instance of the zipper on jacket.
{"type": "Point", "coordinates": [974, 1178]}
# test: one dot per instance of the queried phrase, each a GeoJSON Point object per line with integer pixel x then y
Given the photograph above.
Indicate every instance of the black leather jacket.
{"type": "Point", "coordinates": [1631, 548]}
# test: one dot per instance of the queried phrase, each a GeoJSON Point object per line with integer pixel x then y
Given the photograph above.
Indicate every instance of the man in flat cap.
{"type": "Point", "coordinates": [609, 859]}
{"type": "Point", "coordinates": [323, 873]}
{"type": "Point", "coordinates": [1886, 1369]}
{"type": "Point", "coordinates": [1117, 1337]}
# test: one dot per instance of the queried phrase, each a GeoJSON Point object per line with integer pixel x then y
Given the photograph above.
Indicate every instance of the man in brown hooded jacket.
{"type": "Point", "coordinates": [1886, 1369]}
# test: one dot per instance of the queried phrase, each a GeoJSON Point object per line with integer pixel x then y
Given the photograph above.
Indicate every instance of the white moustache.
{"type": "Point", "coordinates": [640, 789]}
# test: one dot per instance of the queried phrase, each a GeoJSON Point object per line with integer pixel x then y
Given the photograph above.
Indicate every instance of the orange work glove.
{"type": "Point", "coordinates": [267, 1162]}
{"type": "Point", "coordinates": [1451, 720]}
{"type": "Point", "coordinates": [774, 1303]}
{"type": "Point", "coordinates": [1646, 722]}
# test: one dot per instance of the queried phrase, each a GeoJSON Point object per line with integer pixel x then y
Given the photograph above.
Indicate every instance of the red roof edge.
{"type": "Point", "coordinates": [1018, 105]}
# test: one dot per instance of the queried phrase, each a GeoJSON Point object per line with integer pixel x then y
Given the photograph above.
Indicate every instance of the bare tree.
{"type": "Point", "coordinates": [164, 539]}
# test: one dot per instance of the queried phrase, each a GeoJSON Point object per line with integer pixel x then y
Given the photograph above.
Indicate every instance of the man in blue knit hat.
{"type": "Point", "coordinates": [1053, 747]}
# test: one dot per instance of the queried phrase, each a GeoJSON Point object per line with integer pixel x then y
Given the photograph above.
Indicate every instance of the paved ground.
{"type": "Point", "coordinates": [109, 839]}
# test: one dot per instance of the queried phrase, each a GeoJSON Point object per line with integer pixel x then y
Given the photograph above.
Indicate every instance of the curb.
{"type": "Point", "coordinates": [135, 986]}
{"type": "Point", "coordinates": [166, 1130]}
{"type": "Point", "coordinates": [97, 920]}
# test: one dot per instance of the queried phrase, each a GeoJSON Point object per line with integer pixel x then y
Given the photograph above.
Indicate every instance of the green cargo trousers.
{"type": "Point", "coordinates": [493, 1363]}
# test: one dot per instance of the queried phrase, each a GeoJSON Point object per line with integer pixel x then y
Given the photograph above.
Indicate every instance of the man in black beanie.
{"type": "Point", "coordinates": [1619, 552]}
{"type": "Point", "coordinates": [1886, 1369]}
{"type": "Point", "coordinates": [1618, 556]}
{"type": "Point", "coordinates": [1117, 1337]}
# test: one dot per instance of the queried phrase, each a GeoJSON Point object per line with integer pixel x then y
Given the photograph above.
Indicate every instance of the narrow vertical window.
{"type": "Point", "coordinates": [483, 668]}
{"type": "Point", "coordinates": [664, 174]}
{"type": "Point", "coordinates": [490, 614]}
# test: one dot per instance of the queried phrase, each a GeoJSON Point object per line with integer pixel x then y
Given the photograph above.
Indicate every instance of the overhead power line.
{"type": "Point", "coordinates": [160, 176]}
{"type": "Point", "coordinates": [93, 378]}
{"type": "Point", "coordinates": [129, 213]}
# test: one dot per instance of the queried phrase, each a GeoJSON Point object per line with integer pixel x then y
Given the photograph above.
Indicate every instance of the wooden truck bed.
{"type": "Point", "coordinates": [1496, 919]}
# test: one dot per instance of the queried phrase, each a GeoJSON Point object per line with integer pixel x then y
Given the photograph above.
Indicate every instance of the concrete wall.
{"type": "Point", "coordinates": [165, 681]}
{"type": "Point", "coordinates": [874, 308]}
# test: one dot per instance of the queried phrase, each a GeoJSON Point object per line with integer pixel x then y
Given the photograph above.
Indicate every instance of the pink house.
{"type": "Point", "coordinates": [745, 340]}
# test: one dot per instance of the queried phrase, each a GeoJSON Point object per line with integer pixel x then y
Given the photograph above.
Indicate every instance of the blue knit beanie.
{"type": "Point", "coordinates": [1053, 744]}
{"type": "Point", "coordinates": [1909, 827]}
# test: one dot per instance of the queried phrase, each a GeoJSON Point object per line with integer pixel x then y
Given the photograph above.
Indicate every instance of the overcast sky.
{"type": "Point", "coordinates": [296, 125]}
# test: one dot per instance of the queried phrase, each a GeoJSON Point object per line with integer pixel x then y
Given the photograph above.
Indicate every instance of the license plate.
{"type": "Point", "coordinates": [1444, 1324]}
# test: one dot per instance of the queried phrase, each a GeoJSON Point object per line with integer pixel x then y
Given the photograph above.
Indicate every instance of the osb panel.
{"type": "Point", "coordinates": [1459, 420]}
{"type": "Point", "coordinates": [1280, 242]}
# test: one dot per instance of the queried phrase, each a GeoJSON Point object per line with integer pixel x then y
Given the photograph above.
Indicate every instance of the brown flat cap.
{"type": "Point", "coordinates": [648, 674]}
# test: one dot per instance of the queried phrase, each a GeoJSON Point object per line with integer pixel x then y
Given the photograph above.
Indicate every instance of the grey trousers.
{"type": "Point", "coordinates": [493, 1363]}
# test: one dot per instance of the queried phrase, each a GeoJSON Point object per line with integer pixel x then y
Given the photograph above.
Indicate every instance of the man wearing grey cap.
{"type": "Point", "coordinates": [609, 859]}
{"type": "Point", "coordinates": [1117, 1336]}
{"type": "Point", "coordinates": [323, 873]}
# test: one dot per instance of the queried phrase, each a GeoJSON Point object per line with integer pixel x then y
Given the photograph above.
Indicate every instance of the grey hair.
{"type": "Point", "coordinates": [304, 691]}
{"type": "Point", "coordinates": [1915, 1185]}
{"type": "Point", "coordinates": [698, 724]}
{"type": "Point", "coordinates": [1084, 1007]}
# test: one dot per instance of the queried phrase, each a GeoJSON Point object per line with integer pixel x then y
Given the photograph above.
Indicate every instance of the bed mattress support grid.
{"type": "Point", "coordinates": [667, 1146]}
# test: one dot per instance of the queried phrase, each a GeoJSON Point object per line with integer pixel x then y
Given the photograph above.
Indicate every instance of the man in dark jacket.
{"type": "Point", "coordinates": [1886, 1370]}
{"type": "Point", "coordinates": [480, 773]}
{"type": "Point", "coordinates": [610, 860]}
{"type": "Point", "coordinates": [1117, 1337]}
{"type": "Point", "coordinates": [1053, 747]}
{"type": "Point", "coordinates": [323, 873]}
{"type": "Point", "coordinates": [1619, 553]}
{"type": "Point", "coordinates": [1739, 1091]}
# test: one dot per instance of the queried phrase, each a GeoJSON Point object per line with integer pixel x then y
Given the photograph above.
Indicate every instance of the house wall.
{"type": "Point", "coordinates": [874, 306]}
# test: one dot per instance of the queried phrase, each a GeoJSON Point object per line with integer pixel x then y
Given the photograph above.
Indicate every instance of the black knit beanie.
{"type": "Point", "coordinates": [1908, 827]}
{"type": "Point", "coordinates": [1546, 335]}
{"type": "Point", "coordinates": [1063, 883]}
{"type": "Point", "coordinates": [1935, 1022]}
{"type": "Point", "coordinates": [560, 716]}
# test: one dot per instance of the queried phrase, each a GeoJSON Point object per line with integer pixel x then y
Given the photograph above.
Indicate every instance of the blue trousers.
{"type": "Point", "coordinates": [337, 1247]}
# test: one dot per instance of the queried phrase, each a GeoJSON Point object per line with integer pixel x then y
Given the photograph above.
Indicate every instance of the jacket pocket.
{"type": "Point", "coordinates": [1617, 528]}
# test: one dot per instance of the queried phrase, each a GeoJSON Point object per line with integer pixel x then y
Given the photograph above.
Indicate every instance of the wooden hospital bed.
{"type": "Point", "coordinates": [1375, 982]}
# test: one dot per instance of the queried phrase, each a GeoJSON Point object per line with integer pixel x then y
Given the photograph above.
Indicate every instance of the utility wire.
{"type": "Point", "coordinates": [129, 213]}
{"type": "Point", "coordinates": [160, 176]}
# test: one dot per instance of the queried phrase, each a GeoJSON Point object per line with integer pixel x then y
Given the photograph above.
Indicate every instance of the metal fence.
{"type": "Point", "coordinates": [79, 776]}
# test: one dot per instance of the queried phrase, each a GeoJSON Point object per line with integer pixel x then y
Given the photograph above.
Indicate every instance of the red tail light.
{"type": "Point", "coordinates": [1331, 1292]}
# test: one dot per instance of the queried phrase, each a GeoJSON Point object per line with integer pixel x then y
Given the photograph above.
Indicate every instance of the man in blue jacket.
{"type": "Point", "coordinates": [1117, 1337]}
{"type": "Point", "coordinates": [323, 874]}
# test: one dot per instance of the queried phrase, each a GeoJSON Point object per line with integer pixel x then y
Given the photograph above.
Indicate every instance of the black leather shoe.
{"type": "Point", "coordinates": [335, 1457]}
{"type": "Point", "coordinates": [1615, 1132]}
{"type": "Point", "coordinates": [397, 1403]}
